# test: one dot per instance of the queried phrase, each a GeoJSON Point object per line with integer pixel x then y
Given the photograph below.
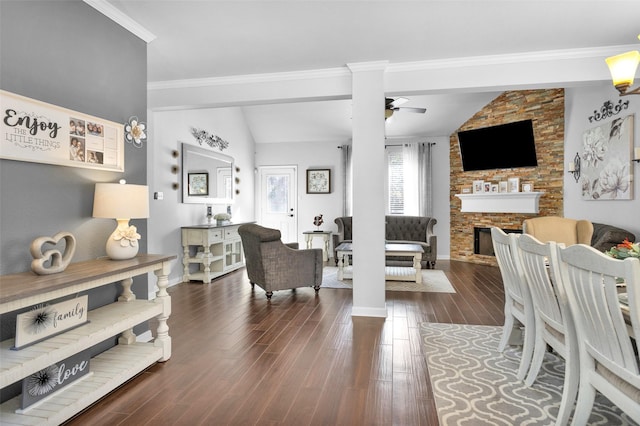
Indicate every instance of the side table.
{"type": "Point", "coordinates": [308, 237]}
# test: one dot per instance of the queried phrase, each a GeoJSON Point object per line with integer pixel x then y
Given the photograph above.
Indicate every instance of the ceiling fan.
{"type": "Point", "coordinates": [392, 105]}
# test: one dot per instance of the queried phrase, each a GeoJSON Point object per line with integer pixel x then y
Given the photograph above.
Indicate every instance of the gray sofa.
{"type": "Point", "coordinates": [398, 229]}
{"type": "Point", "coordinates": [606, 236]}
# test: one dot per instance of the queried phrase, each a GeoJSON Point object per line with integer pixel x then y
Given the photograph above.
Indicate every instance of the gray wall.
{"type": "Point", "coordinates": [67, 54]}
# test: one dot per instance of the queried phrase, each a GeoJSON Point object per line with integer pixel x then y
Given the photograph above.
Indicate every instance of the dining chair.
{"type": "Point", "coordinates": [554, 324]}
{"type": "Point", "coordinates": [518, 306]}
{"type": "Point", "coordinates": [608, 362]}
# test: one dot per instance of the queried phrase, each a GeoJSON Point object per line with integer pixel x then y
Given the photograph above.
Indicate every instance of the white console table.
{"type": "Point", "coordinates": [111, 368]}
{"type": "Point", "coordinates": [500, 202]}
{"type": "Point", "coordinates": [218, 250]}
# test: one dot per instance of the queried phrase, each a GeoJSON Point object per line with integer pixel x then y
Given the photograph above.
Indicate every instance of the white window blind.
{"type": "Point", "coordinates": [396, 181]}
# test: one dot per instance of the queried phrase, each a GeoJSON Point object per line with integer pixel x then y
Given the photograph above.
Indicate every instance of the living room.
{"type": "Point", "coordinates": [41, 199]}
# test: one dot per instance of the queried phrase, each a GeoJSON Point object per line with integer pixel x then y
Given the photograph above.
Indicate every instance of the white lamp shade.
{"type": "Point", "coordinates": [623, 67]}
{"type": "Point", "coordinates": [121, 201]}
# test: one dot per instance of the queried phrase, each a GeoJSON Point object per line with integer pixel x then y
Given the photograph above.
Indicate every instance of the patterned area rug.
{"type": "Point", "coordinates": [433, 280]}
{"type": "Point", "coordinates": [474, 384]}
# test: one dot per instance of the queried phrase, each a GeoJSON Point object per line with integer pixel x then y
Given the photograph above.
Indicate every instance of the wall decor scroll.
{"type": "Point", "coordinates": [608, 110]}
{"type": "Point", "coordinates": [38, 132]}
{"type": "Point", "coordinates": [605, 170]}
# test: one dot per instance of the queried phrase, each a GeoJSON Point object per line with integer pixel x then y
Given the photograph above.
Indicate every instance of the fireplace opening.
{"type": "Point", "coordinates": [482, 243]}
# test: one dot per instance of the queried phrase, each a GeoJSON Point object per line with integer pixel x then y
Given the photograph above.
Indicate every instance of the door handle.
{"type": "Point", "coordinates": [290, 215]}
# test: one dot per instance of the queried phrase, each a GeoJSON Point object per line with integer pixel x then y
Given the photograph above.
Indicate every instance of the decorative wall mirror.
{"type": "Point", "coordinates": [207, 176]}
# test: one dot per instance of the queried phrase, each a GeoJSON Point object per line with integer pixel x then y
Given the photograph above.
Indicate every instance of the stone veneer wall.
{"type": "Point", "coordinates": [546, 109]}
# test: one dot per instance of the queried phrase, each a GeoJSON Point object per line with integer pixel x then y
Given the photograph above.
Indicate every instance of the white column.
{"type": "Point", "coordinates": [368, 189]}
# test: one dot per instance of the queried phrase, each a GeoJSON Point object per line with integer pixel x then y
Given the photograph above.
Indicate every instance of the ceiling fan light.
{"type": "Point", "coordinates": [388, 113]}
{"type": "Point", "coordinates": [623, 68]}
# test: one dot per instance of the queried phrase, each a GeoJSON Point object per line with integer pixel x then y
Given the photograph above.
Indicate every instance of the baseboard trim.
{"type": "Point", "coordinates": [358, 311]}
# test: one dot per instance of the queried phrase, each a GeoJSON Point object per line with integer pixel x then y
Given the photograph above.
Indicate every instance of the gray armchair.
{"type": "Point", "coordinates": [273, 265]}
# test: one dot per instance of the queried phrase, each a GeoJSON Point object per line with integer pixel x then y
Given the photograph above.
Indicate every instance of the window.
{"type": "Point", "coordinates": [395, 180]}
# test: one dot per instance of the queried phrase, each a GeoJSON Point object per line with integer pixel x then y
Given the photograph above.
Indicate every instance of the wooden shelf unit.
{"type": "Point", "coordinates": [111, 368]}
{"type": "Point", "coordinates": [216, 249]}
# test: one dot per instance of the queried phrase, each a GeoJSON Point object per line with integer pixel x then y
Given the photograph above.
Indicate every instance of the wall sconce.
{"type": "Point", "coordinates": [636, 154]}
{"type": "Point", "coordinates": [623, 69]}
{"type": "Point", "coordinates": [574, 167]}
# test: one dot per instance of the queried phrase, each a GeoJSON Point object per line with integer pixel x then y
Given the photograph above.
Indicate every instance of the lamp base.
{"type": "Point", "coordinates": [114, 248]}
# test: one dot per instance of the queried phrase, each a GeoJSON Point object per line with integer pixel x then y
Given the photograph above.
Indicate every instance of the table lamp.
{"type": "Point", "coordinates": [121, 201]}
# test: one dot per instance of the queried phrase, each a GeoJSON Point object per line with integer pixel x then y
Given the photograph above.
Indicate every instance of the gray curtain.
{"type": "Point", "coordinates": [425, 186]}
{"type": "Point", "coordinates": [347, 181]}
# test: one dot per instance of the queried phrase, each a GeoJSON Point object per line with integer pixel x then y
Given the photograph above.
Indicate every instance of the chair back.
{"type": "Point", "coordinates": [608, 361]}
{"type": "Point", "coordinates": [253, 237]}
{"type": "Point", "coordinates": [505, 248]}
{"type": "Point", "coordinates": [559, 229]}
{"type": "Point", "coordinates": [537, 260]}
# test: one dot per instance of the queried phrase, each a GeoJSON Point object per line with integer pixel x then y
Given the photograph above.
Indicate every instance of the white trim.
{"type": "Point", "coordinates": [122, 19]}
{"type": "Point", "coordinates": [359, 311]}
{"type": "Point", "coordinates": [506, 202]}
{"type": "Point", "coordinates": [250, 78]}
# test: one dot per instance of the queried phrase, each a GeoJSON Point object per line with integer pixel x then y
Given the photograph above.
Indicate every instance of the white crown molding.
{"type": "Point", "coordinates": [120, 18]}
{"type": "Point", "coordinates": [541, 56]}
{"type": "Point", "coordinates": [250, 78]}
{"type": "Point", "coordinates": [453, 63]}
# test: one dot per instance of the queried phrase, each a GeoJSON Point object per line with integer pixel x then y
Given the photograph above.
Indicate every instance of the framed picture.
{"type": "Point", "coordinates": [606, 170]}
{"type": "Point", "coordinates": [318, 181]}
{"type": "Point", "coordinates": [494, 187]}
{"type": "Point", "coordinates": [478, 186]}
{"type": "Point", "coordinates": [513, 185]}
{"type": "Point", "coordinates": [486, 187]}
{"type": "Point", "coordinates": [466, 190]}
{"type": "Point", "coordinates": [39, 132]}
{"type": "Point", "coordinates": [527, 187]}
{"type": "Point", "coordinates": [198, 183]}
{"type": "Point", "coordinates": [503, 186]}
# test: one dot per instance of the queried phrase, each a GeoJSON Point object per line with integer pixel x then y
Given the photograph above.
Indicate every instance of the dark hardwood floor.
{"type": "Point", "coordinates": [300, 359]}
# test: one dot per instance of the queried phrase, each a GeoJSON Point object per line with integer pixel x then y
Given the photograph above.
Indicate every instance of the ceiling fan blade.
{"type": "Point", "coordinates": [410, 109]}
{"type": "Point", "coordinates": [395, 102]}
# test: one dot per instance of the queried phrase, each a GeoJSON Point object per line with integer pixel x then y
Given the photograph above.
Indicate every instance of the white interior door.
{"type": "Point", "coordinates": [277, 200]}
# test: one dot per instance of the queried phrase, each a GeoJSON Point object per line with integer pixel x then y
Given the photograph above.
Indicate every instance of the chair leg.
{"type": "Point", "coordinates": [269, 294]}
{"type": "Point", "coordinates": [527, 352]}
{"type": "Point", "coordinates": [584, 404]}
{"type": "Point", "coordinates": [317, 289]}
{"type": "Point", "coordinates": [539, 349]}
{"type": "Point", "coordinates": [507, 330]}
{"type": "Point", "coordinates": [570, 387]}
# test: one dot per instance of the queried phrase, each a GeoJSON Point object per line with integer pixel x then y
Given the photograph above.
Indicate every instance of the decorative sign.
{"type": "Point", "coordinates": [48, 320]}
{"type": "Point", "coordinates": [38, 132]}
{"type": "Point", "coordinates": [605, 161]}
{"type": "Point", "coordinates": [53, 378]}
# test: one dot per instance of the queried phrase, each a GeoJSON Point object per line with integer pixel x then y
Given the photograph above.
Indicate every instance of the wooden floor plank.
{"type": "Point", "coordinates": [301, 359]}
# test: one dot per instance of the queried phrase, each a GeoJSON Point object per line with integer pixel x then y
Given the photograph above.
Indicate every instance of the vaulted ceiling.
{"type": "Point", "coordinates": [220, 39]}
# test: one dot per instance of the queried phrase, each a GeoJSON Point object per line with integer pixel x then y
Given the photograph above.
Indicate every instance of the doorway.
{"type": "Point", "coordinates": [277, 199]}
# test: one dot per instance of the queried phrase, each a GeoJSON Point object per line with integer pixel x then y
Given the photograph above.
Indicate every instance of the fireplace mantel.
{"type": "Point", "coordinates": [501, 202]}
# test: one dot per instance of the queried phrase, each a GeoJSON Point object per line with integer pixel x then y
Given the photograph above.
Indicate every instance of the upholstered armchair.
{"type": "Point", "coordinates": [559, 229]}
{"type": "Point", "coordinates": [273, 265]}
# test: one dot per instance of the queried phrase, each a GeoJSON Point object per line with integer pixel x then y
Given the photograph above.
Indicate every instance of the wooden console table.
{"type": "Point", "coordinates": [111, 368]}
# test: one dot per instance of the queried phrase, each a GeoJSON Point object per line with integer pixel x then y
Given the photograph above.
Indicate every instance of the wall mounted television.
{"type": "Point", "coordinates": [504, 146]}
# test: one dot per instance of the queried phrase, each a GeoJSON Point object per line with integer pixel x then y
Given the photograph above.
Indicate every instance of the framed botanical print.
{"type": "Point", "coordinates": [198, 183]}
{"type": "Point", "coordinates": [318, 181]}
{"type": "Point", "coordinates": [605, 161]}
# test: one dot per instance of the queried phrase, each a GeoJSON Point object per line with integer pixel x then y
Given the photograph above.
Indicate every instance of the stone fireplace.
{"type": "Point", "coordinates": [546, 110]}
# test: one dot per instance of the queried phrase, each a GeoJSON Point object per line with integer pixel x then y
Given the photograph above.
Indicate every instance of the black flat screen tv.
{"type": "Point", "coordinates": [504, 146]}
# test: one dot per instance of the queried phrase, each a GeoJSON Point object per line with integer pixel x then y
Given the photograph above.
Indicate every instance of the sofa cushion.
{"type": "Point", "coordinates": [606, 236]}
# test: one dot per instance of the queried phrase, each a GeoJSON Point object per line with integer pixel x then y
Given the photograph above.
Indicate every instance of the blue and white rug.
{"type": "Point", "coordinates": [474, 384]}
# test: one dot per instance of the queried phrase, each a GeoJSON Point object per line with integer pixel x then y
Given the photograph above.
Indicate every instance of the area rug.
{"type": "Point", "coordinates": [474, 384]}
{"type": "Point", "coordinates": [433, 280]}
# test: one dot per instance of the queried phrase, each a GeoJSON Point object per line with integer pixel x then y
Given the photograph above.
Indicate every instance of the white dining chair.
{"type": "Point", "coordinates": [518, 306]}
{"type": "Point", "coordinates": [608, 362]}
{"type": "Point", "coordinates": [554, 324]}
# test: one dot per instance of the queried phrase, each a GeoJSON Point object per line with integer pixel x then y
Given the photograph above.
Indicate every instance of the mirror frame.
{"type": "Point", "coordinates": [214, 156]}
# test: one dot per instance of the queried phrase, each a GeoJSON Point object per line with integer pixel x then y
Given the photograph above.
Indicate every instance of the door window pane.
{"type": "Point", "coordinates": [277, 193]}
